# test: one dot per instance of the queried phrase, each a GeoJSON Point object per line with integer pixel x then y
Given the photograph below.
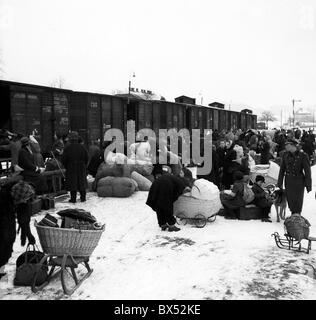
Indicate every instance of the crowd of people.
{"type": "Point", "coordinates": [234, 154]}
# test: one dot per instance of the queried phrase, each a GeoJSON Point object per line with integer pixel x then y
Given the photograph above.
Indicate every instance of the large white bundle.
{"type": "Point", "coordinates": [140, 151]}
{"type": "Point", "coordinates": [204, 190]}
{"type": "Point", "coordinates": [273, 171]}
{"type": "Point", "coordinates": [138, 162]}
{"type": "Point", "coordinates": [115, 158]}
{"type": "Point", "coordinates": [252, 163]}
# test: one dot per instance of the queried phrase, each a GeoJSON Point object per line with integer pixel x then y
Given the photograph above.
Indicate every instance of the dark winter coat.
{"type": "Point", "coordinates": [228, 167]}
{"type": "Point", "coordinates": [7, 224]}
{"type": "Point", "coordinates": [95, 159]}
{"type": "Point", "coordinates": [220, 156]}
{"type": "Point", "coordinates": [213, 175]}
{"type": "Point", "coordinates": [265, 154]}
{"type": "Point", "coordinates": [26, 161]}
{"type": "Point", "coordinates": [295, 167]}
{"type": "Point", "coordinates": [237, 201]}
{"type": "Point", "coordinates": [261, 199]}
{"type": "Point", "coordinates": [75, 159]}
{"type": "Point", "coordinates": [164, 192]}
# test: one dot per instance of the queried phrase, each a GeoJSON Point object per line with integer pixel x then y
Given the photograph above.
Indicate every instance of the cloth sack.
{"type": "Point", "coordinates": [143, 183]}
{"type": "Point", "coordinates": [248, 195]}
{"type": "Point", "coordinates": [110, 170]}
{"type": "Point", "coordinates": [273, 171]}
{"type": "Point", "coordinates": [116, 187]}
{"type": "Point", "coordinates": [297, 226]}
{"type": "Point", "coordinates": [27, 266]}
{"type": "Point", "coordinates": [143, 169]}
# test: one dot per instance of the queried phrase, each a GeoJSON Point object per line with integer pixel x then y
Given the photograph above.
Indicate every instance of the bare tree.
{"type": "Point", "coordinates": [267, 116]}
{"type": "Point", "coordinates": [58, 82]}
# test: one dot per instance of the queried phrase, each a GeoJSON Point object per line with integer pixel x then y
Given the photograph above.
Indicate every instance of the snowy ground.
{"type": "Point", "coordinates": [227, 259]}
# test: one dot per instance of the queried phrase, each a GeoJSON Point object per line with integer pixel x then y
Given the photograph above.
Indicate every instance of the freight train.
{"type": "Point", "coordinates": [28, 107]}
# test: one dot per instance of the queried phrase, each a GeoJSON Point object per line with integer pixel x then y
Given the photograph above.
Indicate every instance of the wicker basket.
{"type": "Point", "coordinates": [190, 207]}
{"type": "Point", "coordinates": [60, 241]}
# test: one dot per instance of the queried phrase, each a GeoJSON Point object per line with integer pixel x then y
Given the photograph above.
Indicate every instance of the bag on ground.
{"type": "Point", "coordinates": [248, 195]}
{"type": "Point", "coordinates": [297, 227]}
{"type": "Point", "coordinates": [143, 183]}
{"type": "Point", "coordinates": [27, 266]}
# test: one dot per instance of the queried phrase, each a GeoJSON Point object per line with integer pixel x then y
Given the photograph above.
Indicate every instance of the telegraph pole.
{"type": "Point", "coordinates": [293, 102]}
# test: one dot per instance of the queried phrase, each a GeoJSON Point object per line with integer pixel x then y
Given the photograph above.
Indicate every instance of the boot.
{"type": "Point", "coordinates": [82, 196]}
{"type": "Point", "coordinates": [164, 227]}
{"type": "Point", "coordinates": [73, 196]}
{"type": "Point", "coordinates": [173, 228]}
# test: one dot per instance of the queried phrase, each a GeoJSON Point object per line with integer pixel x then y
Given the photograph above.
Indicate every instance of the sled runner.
{"type": "Point", "coordinates": [290, 243]}
{"type": "Point", "coordinates": [65, 250]}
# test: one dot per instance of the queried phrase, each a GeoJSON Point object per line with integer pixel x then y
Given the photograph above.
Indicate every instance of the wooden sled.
{"type": "Point", "coordinates": [65, 266]}
{"type": "Point", "coordinates": [290, 243]}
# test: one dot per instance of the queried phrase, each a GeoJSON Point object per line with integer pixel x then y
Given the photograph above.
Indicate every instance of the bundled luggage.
{"type": "Point", "coordinates": [297, 227]}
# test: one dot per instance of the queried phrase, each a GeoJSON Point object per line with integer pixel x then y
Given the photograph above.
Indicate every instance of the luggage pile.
{"type": "Point", "coordinates": [122, 180]}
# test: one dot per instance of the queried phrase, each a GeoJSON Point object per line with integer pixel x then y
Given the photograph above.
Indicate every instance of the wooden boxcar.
{"type": "Point", "coordinates": [25, 107]}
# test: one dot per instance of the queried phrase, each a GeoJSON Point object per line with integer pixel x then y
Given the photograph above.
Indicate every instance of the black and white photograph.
{"type": "Point", "coordinates": [158, 151]}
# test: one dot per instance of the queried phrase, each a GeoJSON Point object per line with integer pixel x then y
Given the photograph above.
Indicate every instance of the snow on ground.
{"type": "Point", "coordinates": [227, 259]}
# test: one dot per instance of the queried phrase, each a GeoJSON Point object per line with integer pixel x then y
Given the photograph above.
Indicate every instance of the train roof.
{"type": "Point", "coordinates": [134, 97]}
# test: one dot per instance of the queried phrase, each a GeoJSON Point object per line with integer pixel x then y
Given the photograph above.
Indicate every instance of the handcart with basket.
{"type": "Point", "coordinates": [65, 250]}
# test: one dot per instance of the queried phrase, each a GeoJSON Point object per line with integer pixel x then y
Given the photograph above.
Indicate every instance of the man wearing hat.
{"type": "Point", "coordinates": [75, 160]}
{"type": "Point", "coordinates": [31, 173]}
{"type": "Point", "coordinates": [295, 167]}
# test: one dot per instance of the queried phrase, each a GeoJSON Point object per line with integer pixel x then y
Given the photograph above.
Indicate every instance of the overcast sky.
{"type": "Point", "coordinates": [255, 53]}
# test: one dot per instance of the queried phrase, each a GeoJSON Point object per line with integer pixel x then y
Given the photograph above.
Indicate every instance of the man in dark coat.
{"type": "Point", "coordinates": [95, 158]}
{"type": "Point", "coordinates": [228, 165]}
{"type": "Point", "coordinates": [7, 224]}
{"type": "Point", "coordinates": [31, 173]}
{"type": "Point", "coordinates": [164, 191]}
{"type": "Point", "coordinates": [295, 167]}
{"type": "Point", "coordinates": [75, 159]}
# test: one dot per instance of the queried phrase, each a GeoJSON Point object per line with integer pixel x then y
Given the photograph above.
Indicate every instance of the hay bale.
{"type": "Point", "coordinates": [143, 183]}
